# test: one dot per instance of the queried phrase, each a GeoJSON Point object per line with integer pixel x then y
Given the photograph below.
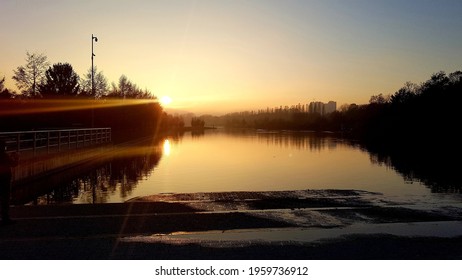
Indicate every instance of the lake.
{"type": "Point", "coordinates": [219, 160]}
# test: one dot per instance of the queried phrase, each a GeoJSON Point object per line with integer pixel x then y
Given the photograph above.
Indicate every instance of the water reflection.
{"type": "Point", "coordinates": [197, 133]}
{"type": "Point", "coordinates": [435, 167]}
{"type": "Point", "coordinates": [291, 139]}
{"type": "Point", "coordinates": [240, 160]}
{"type": "Point", "coordinates": [167, 147]}
{"type": "Point", "coordinates": [431, 166]}
{"type": "Point", "coordinates": [301, 141]}
{"type": "Point", "coordinates": [112, 175]}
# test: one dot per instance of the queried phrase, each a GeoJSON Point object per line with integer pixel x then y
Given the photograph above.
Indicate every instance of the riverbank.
{"type": "Point", "coordinates": [308, 224]}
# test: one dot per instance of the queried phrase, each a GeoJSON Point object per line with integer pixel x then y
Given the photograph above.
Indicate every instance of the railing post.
{"type": "Point", "coordinates": [48, 142]}
{"type": "Point", "coordinates": [18, 142]}
{"type": "Point", "coordinates": [35, 142]}
{"type": "Point", "coordinates": [59, 141]}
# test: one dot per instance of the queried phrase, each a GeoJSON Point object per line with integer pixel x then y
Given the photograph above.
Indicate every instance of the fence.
{"type": "Point", "coordinates": [48, 141]}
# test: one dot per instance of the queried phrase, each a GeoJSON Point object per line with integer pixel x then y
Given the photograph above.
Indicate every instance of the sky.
{"type": "Point", "coordinates": [219, 56]}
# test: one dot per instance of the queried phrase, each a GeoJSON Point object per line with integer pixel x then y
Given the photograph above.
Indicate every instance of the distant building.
{"type": "Point", "coordinates": [316, 107]}
{"type": "Point", "coordinates": [330, 107]}
{"type": "Point", "coordinates": [322, 108]}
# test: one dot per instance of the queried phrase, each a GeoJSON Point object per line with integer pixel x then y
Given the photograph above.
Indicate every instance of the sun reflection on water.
{"type": "Point", "coordinates": [166, 147]}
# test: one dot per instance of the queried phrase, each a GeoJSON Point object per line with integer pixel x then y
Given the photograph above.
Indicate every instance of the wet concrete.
{"type": "Point", "coordinates": [309, 224]}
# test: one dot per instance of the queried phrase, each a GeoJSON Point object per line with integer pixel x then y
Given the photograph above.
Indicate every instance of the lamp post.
{"type": "Point", "coordinates": [93, 38]}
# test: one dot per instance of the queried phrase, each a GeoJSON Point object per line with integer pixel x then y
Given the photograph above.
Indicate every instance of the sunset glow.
{"type": "Point", "coordinates": [225, 56]}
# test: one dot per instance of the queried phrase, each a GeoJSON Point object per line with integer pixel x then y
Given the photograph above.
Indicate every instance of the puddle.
{"type": "Point", "coordinates": [301, 235]}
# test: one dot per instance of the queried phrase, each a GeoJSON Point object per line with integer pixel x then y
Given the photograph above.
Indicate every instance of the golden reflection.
{"type": "Point", "coordinates": [167, 147]}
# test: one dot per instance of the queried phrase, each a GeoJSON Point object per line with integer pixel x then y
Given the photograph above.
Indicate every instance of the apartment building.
{"type": "Point", "coordinates": [322, 108]}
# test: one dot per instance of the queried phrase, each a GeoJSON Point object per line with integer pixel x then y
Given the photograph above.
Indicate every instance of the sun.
{"type": "Point", "coordinates": [165, 100]}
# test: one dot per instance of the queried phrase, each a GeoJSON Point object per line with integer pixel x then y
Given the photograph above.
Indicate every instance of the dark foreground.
{"type": "Point", "coordinates": [321, 225]}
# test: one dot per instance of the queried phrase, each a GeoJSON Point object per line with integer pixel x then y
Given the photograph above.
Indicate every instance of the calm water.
{"type": "Point", "coordinates": [244, 161]}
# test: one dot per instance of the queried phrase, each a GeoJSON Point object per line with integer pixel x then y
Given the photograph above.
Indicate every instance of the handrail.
{"type": "Point", "coordinates": [52, 130]}
{"type": "Point", "coordinates": [55, 139]}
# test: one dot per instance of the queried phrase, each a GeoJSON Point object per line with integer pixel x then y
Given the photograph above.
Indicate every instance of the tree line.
{"type": "Point", "coordinates": [56, 97]}
{"type": "Point", "coordinates": [413, 111]}
{"type": "Point", "coordinates": [38, 79]}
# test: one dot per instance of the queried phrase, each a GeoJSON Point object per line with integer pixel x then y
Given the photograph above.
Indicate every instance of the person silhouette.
{"type": "Point", "coordinates": [7, 162]}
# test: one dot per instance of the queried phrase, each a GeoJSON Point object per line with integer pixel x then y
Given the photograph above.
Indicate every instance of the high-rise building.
{"type": "Point", "coordinates": [316, 107]}
{"type": "Point", "coordinates": [322, 108]}
{"type": "Point", "coordinates": [330, 107]}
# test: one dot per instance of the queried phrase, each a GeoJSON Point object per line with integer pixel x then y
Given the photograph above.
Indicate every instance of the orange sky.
{"type": "Point", "coordinates": [224, 56]}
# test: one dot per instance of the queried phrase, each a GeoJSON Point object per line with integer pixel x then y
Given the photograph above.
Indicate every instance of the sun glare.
{"type": "Point", "coordinates": [165, 100]}
{"type": "Point", "coordinates": [166, 147]}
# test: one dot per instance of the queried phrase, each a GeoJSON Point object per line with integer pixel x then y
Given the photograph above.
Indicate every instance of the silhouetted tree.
{"type": "Point", "coordinates": [456, 77]}
{"type": "Point", "coordinates": [437, 82]}
{"type": "Point", "coordinates": [402, 96]}
{"type": "Point", "coordinates": [4, 92]}
{"type": "Point", "coordinates": [60, 80]}
{"type": "Point", "coordinates": [197, 123]}
{"type": "Point", "coordinates": [171, 123]}
{"type": "Point", "coordinates": [127, 89]}
{"type": "Point", "coordinates": [30, 76]}
{"type": "Point", "coordinates": [344, 107]}
{"type": "Point", "coordinates": [379, 99]}
{"type": "Point", "coordinates": [100, 84]}
{"type": "Point", "coordinates": [2, 84]}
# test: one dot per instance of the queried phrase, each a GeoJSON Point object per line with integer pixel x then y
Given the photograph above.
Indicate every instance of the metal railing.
{"type": "Point", "coordinates": [54, 140]}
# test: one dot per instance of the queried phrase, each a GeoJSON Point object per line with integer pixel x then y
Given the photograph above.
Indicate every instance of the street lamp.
{"type": "Point", "coordinates": [93, 38]}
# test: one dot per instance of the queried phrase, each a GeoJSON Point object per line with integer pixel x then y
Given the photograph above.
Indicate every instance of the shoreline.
{"type": "Point", "coordinates": [307, 224]}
